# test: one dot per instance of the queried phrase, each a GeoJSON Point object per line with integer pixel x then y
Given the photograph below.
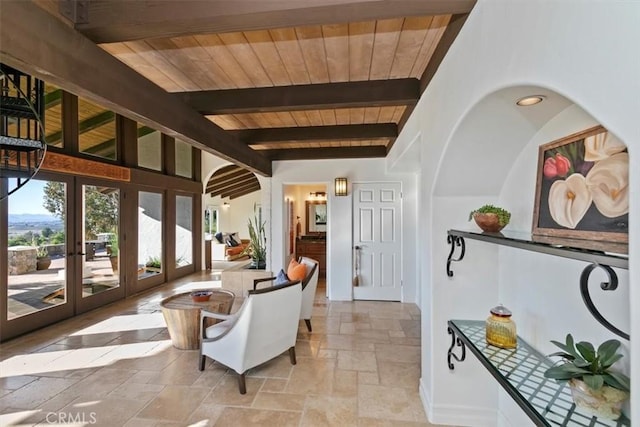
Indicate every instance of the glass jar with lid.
{"type": "Point", "coordinates": [500, 329]}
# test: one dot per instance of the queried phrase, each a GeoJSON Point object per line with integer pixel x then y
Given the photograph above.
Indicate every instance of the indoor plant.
{"type": "Point", "coordinates": [257, 247]}
{"type": "Point", "coordinates": [594, 387]}
{"type": "Point", "coordinates": [490, 218]}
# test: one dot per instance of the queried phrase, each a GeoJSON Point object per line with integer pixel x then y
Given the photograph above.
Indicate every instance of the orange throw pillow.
{"type": "Point", "coordinates": [296, 271]}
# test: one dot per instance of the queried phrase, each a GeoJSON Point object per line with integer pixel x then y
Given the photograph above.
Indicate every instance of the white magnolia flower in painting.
{"type": "Point", "coordinates": [569, 200]}
{"type": "Point", "coordinates": [608, 183]}
{"type": "Point", "coordinates": [600, 146]}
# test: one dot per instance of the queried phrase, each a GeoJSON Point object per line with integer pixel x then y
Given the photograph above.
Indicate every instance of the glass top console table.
{"type": "Point", "coordinates": [521, 373]}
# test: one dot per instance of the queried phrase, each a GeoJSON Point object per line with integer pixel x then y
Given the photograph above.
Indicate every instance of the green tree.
{"type": "Point", "coordinates": [101, 207]}
{"type": "Point", "coordinates": [54, 198]}
{"type": "Point", "coordinates": [18, 241]}
{"type": "Point", "coordinates": [58, 238]}
{"type": "Point", "coordinates": [101, 211]}
{"type": "Point", "coordinates": [46, 232]}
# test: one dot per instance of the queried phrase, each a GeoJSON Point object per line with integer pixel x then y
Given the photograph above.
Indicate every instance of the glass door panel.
{"type": "Point", "coordinates": [36, 236]}
{"type": "Point", "coordinates": [100, 256]}
{"type": "Point", "coordinates": [184, 231]}
{"type": "Point", "coordinates": [149, 234]}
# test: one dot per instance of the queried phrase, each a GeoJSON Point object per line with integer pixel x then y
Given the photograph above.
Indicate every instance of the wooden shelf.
{"type": "Point", "coordinates": [521, 373]}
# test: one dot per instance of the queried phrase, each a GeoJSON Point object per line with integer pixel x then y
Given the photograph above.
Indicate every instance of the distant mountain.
{"type": "Point", "coordinates": [29, 218]}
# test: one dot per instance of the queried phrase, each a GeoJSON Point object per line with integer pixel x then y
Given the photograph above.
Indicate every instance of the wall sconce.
{"type": "Point", "coordinates": [341, 186]}
{"type": "Point", "coordinates": [318, 194]}
{"type": "Point", "coordinates": [226, 205]}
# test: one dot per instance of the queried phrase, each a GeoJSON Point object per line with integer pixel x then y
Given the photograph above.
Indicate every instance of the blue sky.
{"type": "Point", "coordinates": [28, 199]}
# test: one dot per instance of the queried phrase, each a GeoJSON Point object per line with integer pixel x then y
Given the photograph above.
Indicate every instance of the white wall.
{"type": "Point", "coordinates": [339, 238]}
{"type": "Point", "coordinates": [234, 216]}
{"type": "Point", "coordinates": [474, 150]}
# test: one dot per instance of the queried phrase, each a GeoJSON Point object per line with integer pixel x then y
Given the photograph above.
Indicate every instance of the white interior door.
{"type": "Point", "coordinates": [376, 232]}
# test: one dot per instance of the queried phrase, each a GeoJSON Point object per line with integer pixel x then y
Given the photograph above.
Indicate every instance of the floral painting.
{"type": "Point", "coordinates": [582, 189]}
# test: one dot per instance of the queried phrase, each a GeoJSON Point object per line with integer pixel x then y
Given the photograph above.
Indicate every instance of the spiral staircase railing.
{"type": "Point", "coordinates": [22, 144]}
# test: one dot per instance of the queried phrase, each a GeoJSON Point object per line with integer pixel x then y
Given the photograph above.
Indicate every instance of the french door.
{"type": "Point", "coordinates": [61, 236]}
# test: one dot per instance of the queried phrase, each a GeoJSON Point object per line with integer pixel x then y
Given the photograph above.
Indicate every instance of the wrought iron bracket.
{"type": "Point", "coordinates": [455, 341]}
{"type": "Point", "coordinates": [454, 241]}
{"type": "Point", "coordinates": [611, 285]}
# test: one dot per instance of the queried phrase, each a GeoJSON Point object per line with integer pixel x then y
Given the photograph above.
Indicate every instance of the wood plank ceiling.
{"type": "Point", "coordinates": [390, 55]}
{"type": "Point", "coordinates": [287, 79]}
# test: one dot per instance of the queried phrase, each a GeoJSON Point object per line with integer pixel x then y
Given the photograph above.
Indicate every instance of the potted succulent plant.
{"type": "Point", "coordinates": [113, 250]}
{"type": "Point", "coordinates": [490, 218]}
{"type": "Point", "coordinates": [594, 386]}
{"type": "Point", "coordinates": [43, 260]}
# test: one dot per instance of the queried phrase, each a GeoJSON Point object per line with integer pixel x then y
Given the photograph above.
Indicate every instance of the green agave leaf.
{"type": "Point", "coordinates": [606, 364]}
{"type": "Point", "coordinates": [608, 349]}
{"type": "Point", "coordinates": [565, 372]}
{"type": "Point", "coordinates": [581, 363]}
{"type": "Point", "coordinates": [586, 350]}
{"type": "Point", "coordinates": [568, 347]}
{"type": "Point", "coordinates": [562, 354]}
{"type": "Point", "coordinates": [595, 382]}
{"type": "Point", "coordinates": [618, 380]}
{"type": "Point", "coordinates": [559, 344]}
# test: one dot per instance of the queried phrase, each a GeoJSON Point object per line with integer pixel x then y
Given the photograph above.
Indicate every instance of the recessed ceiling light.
{"type": "Point", "coordinates": [530, 100]}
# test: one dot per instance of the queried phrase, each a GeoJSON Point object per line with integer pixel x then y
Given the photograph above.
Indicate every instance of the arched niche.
{"type": "Point", "coordinates": [490, 137]}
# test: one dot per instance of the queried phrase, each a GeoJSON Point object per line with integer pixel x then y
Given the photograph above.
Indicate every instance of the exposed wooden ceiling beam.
{"type": "Point", "coordinates": [317, 133]}
{"type": "Point", "coordinates": [108, 148]}
{"type": "Point", "coordinates": [113, 21]}
{"type": "Point", "coordinates": [39, 44]}
{"type": "Point", "coordinates": [86, 125]}
{"type": "Point", "coordinates": [373, 93]}
{"type": "Point", "coordinates": [327, 153]}
{"type": "Point", "coordinates": [216, 182]}
{"type": "Point", "coordinates": [52, 99]}
{"type": "Point", "coordinates": [243, 193]}
{"type": "Point", "coordinates": [234, 188]}
{"type": "Point", "coordinates": [249, 188]}
{"type": "Point", "coordinates": [219, 189]}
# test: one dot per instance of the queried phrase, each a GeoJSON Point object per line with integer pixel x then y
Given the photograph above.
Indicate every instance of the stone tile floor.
{"type": "Point", "coordinates": [115, 366]}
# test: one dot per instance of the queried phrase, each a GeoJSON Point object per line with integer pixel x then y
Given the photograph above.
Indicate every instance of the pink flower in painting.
{"type": "Point", "coordinates": [556, 166]}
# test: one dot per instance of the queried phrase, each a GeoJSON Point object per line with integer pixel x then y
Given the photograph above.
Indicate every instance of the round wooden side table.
{"type": "Point", "coordinates": [182, 315]}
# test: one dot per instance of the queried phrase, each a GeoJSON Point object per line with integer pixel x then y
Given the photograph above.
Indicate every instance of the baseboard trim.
{"type": "Point", "coordinates": [458, 415]}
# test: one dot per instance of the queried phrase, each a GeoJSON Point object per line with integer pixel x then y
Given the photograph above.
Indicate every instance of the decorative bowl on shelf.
{"type": "Point", "coordinates": [201, 296]}
{"type": "Point", "coordinates": [488, 222]}
{"type": "Point", "coordinates": [490, 218]}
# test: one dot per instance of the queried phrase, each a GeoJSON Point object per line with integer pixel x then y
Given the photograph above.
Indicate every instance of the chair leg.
{"type": "Point", "coordinates": [203, 360]}
{"type": "Point", "coordinates": [242, 384]}
{"type": "Point", "coordinates": [308, 322]}
{"type": "Point", "coordinates": [292, 355]}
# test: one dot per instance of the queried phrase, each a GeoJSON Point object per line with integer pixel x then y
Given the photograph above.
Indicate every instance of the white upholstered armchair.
{"type": "Point", "coordinates": [309, 285]}
{"type": "Point", "coordinates": [264, 327]}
